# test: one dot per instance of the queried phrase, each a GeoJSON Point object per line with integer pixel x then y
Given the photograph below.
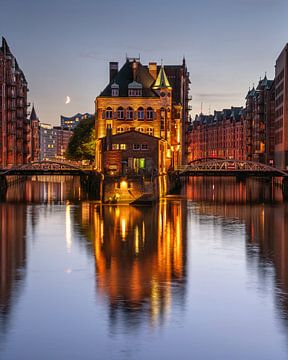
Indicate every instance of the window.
{"type": "Point", "coordinates": [120, 129]}
{"type": "Point", "coordinates": [109, 113]}
{"type": "Point", "coordinates": [135, 92]}
{"type": "Point", "coordinates": [141, 129]}
{"type": "Point", "coordinates": [115, 146]}
{"type": "Point", "coordinates": [115, 92]}
{"type": "Point", "coordinates": [120, 113]}
{"type": "Point", "coordinates": [136, 147]}
{"type": "Point", "coordinates": [140, 113]}
{"type": "Point", "coordinates": [122, 146]}
{"type": "Point", "coordinates": [129, 113]}
{"type": "Point", "coordinates": [144, 147]}
{"type": "Point", "coordinates": [150, 131]}
{"type": "Point", "coordinates": [150, 113]}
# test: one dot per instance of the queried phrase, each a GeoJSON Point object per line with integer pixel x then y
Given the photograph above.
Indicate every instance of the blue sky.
{"type": "Point", "coordinates": [64, 47]}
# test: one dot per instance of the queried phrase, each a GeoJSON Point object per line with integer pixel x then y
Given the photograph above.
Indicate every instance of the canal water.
{"type": "Point", "coordinates": [202, 275]}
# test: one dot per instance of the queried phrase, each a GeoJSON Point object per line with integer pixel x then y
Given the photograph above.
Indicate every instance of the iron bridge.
{"type": "Point", "coordinates": [229, 167]}
{"type": "Point", "coordinates": [46, 168]}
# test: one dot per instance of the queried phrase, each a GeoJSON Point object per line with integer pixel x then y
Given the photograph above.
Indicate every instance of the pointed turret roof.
{"type": "Point", "coordinates": [5, 48]}
{"type": "Point", "coordinates": [162, 81]}
{"type": "Point", "coordinates": [33, 115]}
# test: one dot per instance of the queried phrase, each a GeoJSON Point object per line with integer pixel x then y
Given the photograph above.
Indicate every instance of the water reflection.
{"type": "Point", "coordinates": [229, 190]}
{"type": "Point", "coordinates": [264, 216]}
{"type": "Point", "coordinates": [45, 189]}
{"type": "Point", "coordinates": [12, 259]}
{"type": "Point", "coordinates": [140, 258]}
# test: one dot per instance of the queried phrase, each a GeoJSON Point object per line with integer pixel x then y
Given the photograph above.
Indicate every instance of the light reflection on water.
{"type": "Point", "coordinates": [202, 278]}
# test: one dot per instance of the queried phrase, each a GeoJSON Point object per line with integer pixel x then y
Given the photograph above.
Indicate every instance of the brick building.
{"type": "Point", "coordinates": [15, 141]}
{"type": "Point", "coordinates": [281, 110]}
{"type": "Point", "coordinates": [149, 99]}
{"type": "Point", "coordinates": [238, 133]}
{"type": "Point", "coordinates": [221, 135]}
{"type": "Point", "coordinates": [259, 120]}
{"type": "Point", "coordinates": [62, 140]}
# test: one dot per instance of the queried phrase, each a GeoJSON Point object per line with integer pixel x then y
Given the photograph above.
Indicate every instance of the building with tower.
{"type": "Point", "coordinates": [150, 101]}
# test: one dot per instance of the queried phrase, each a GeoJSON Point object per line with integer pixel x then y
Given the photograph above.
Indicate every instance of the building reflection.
{"type": "Point", "coordinates": [140, 258]}
{"type": "Point", "coordinates": [266, 228]}
{"type": "Point", "coordinates": [45, 189]}
{"type": "Point", "coordinates": [230, 190]}
{"type": "Point", "coordinates": [12, 258]}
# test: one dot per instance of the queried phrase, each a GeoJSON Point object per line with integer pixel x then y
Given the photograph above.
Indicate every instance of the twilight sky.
{"type": "Point", "coordinates": [64, 46]}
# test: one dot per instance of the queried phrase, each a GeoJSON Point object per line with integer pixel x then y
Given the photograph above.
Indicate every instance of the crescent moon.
{"type": "Point", "coordinates": [67, 100]}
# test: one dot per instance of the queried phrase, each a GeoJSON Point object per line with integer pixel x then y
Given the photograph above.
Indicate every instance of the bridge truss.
{"type": "Point", "coordinates": [228, 167]}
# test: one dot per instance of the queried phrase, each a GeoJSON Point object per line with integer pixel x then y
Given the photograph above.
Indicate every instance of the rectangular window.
{"type": "Point", "coordinates": [122, 146]}
{"type": "Point", "coordinates": [136, 146]}
{"type": "Point", "coordinates": [115, 146]}
{"type": "Point", "coordinates": [144, 147]}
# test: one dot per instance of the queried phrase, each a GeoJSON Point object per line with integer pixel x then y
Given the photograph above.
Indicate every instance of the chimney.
{"type": "Point", "coordinates": [113, 69]}
{"type": "Point", "coordinates": [153, 69]}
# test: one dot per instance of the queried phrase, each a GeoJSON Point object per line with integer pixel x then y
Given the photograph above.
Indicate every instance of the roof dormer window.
{"type": "Point", "coordinates": [114, 89]}
{"type": "Point", "coordinates": [135, 89]}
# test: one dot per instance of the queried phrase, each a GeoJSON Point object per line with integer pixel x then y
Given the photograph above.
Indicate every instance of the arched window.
{"type": "Point", "coordinates": [129, 113]}
{"type": "Point", "coordinates": [150, 113]}
{"type": "Point", "coordinates": [140, 113]}
{"type": "Point", "coordinates": [140, 129]}
{"type": "Point", "coordinates": [150, 131]}
{"type": "Point", "coordinates": [120, 129]}
{"type": "Point", "coordinates": [109, 113]}
{"type": "Point", "coordinates": [120, 113]}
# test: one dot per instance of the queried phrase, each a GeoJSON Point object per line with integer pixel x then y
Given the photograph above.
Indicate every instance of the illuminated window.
{"type": "Point", "coordinates": [141, 129]}
{"type": "Point", "coordinates": [129, 113]}
{"type": "Point", "coordinates": [120, 113]}
{"type": "Point", "coordinates": [122, 146]}
{"type": "Point", "coordinates": [109, 113]}
{"type": "Point", "coordinates": [136, 147]}
{"type": "Point", "coordinates": [140, 113]}
{"type": "Point", "coordinates": [150, 131]}
{"type": "Point", "coordinates": [115, 146]}
{"type": "Point", "coordinates": [149, 113]}
{"type": "Point", "coordinates": [120, 129]}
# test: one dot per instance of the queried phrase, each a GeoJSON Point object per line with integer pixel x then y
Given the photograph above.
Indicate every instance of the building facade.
{"type": "Point", "coordinates": [259, 121]}
{"type": "Point", "coordinates": [281, 110]}
{"type": "Point", "coordinates": [35, 136]}
{"type": "Point", "coordinates": [15, 137]}
{"type": "Point", "coordinates": [221, 135]}
{"type": "Point", "coordinates": [238, 133]}
{"type": "Point", "coordinates": [48, 142]}
{"type": "Point", "coordinates": [62, 140]}
{"type": "Point", "coordinates": [144, 99]}
{"type": "Point", "coordinates": [71, 122]}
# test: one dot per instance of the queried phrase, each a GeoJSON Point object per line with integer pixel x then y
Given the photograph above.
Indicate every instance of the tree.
{"type": "Point", "coordinates": [82, 143]}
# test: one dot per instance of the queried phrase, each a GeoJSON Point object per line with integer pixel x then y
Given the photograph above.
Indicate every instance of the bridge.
{"type": "Point", "coordinates": [46, 168]}
{"type": "Point", "coordinates": [227, 167]}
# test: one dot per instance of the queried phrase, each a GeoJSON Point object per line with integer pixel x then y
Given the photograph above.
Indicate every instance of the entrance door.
{"type": "Point", "coordinates": [138, 164]}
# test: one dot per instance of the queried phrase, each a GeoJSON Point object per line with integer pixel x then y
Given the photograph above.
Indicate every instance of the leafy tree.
{"type": "Point", "coordinates": [82, 143]}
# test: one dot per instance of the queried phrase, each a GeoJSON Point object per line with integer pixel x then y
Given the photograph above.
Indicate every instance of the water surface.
{"type": "Point", "coordinates": [202, 275]}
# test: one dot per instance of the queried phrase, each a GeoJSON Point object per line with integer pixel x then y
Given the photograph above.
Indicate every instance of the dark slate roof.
{"type": "Point", "coordinates": [125, 77]}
